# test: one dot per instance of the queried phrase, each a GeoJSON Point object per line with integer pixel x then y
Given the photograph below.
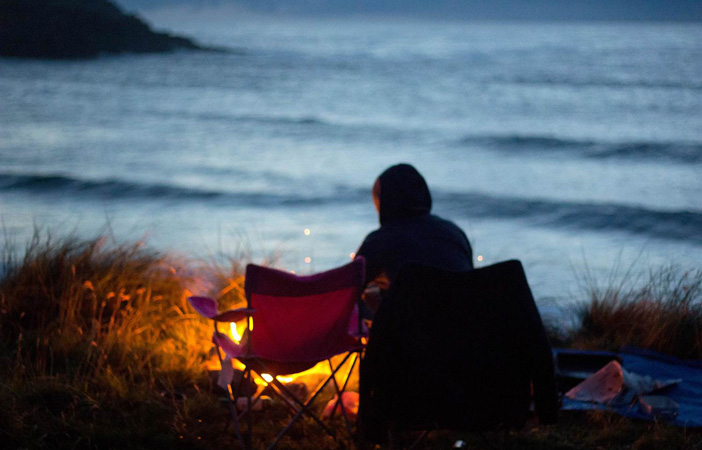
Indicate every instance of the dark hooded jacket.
{"type": "Point", "coordinates": [408, 232]}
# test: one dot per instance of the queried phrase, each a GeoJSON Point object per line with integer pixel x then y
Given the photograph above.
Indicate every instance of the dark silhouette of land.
{"type": "Point", "coordinates": [77, 29]}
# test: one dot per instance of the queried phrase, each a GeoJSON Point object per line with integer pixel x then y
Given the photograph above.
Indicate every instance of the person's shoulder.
{"type": "Point", "coordinates": [371, 238]}
{"type": "Point", "coordinates": [448, 225]}
{"type": "Point", "coordinates": [373, 234]}
{"type": "Point", "coordinates": [445, 222]}
{"type": "Point", "coordinates": [386, 237]}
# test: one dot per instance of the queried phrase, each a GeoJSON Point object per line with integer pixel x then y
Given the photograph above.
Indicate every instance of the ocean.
{"type": "Point", "coordinates": [573, 147]}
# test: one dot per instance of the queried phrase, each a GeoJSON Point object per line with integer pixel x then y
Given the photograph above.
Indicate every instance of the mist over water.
{"type": "Point", "coordinates": [556, 144]}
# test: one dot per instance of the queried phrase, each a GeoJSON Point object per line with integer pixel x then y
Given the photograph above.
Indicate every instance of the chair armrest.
{"type": "Point", "coordinates": [234, 315]}
{"type": "Point", "coordinates": [207, 307]}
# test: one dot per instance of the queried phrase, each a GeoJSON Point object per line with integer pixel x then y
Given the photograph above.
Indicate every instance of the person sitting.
{"type": "Point", "coordinates": [464, 351]}
{"type": "Point", "coordinates": [451, 347]}
{"type": "Point", "coordinates": [408, 233]}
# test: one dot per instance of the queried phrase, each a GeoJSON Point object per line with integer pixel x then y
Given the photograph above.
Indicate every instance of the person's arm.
{"type": "Point", "coordinates": [376, 280]}
{"type": "Point", "coordinates": [368, 250]}
{"type": "Point", "coordinates": [374, 291]}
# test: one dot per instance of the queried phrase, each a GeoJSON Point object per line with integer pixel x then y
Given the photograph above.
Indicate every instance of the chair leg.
{"type": "Point", "coordinates": [235, 414]}
{"type": "Point", "coordinates": [232, 406]}
{"type": "Point", "coordinates": [255, 398]}
{"type": "Point", "coordinates": [304, 406]}
{"type": "Point", "coordinates": [285, 396]}
{"type": "Point", "coordinates": [249, 431]}
{"type": "Point", "coordinates": [340, 392]}
{"type": "Point", "coordinates": [314, 394]}
{"type": "Point", "coordinates": [301, 408]}
{"type": "Point", "coordinates": [419, 440]}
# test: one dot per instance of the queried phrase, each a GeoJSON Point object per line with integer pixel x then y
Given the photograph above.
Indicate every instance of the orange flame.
{"type": "Point", "coordinates": [235, 333]}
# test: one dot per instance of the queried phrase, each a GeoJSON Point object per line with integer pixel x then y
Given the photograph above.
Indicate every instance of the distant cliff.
{"type": "Point", "coordinates": [77, 29]}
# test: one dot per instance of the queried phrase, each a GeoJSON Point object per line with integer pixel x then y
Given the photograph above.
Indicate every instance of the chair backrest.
{"type": "Point", "coordinates": [304, 318]}
{"type": "Point", "coordinates": [460, 350]}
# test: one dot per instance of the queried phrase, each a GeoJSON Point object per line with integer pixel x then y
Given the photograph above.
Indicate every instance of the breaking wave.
{"type": "Point", "coordinates": [684, 152]}
{"type": "Point", "coordinates": [115, 189]}
{"type": "Point", "coordinates": [676, 225]}
{"type": "Point", "coordinates": [241, 118]}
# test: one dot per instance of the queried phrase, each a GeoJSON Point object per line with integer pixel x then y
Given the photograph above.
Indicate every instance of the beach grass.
{"type": "Point", "coordinates": [99, 349]}
{"type": "Point", "coordinates": [662, 312]}
{"type": "Point", "coordinates": [95, 341]}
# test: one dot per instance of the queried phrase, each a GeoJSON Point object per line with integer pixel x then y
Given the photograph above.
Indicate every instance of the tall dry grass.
{"type": "Point", "coordinates": [87, 308]}
{"type": "Point", "coordinates": [99, 349]}
{"type": "Point", "coordinates": [664, 313]}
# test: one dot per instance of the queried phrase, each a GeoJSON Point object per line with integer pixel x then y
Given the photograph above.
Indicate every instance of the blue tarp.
{"type": "Point", "coordinates": [687, 394]}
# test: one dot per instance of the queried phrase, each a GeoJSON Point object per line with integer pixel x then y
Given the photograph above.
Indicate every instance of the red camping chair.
{"type": "Point", "coordinates": [294, 322]}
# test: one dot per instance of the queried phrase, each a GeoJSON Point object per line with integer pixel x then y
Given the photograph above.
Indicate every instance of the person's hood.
{"type": "Point", "coordinates": [403, 194]}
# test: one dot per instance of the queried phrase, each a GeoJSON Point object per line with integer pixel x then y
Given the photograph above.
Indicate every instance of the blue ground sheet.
{"type": "Point", "coordinates": [687, 394]}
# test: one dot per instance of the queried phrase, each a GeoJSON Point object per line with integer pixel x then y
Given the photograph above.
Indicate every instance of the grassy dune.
{"type": "Point", "coordinates": [664, 313]}
{"type": "Point", "coordinates": [99, 349]}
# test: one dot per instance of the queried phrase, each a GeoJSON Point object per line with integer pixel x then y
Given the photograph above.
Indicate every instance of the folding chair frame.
{"type": "Point", "coordinates": [298, 407]}
{"type": "Point", "coordinates": [349, 345]}
{"type": "Point", "coordinates": [256, 365]}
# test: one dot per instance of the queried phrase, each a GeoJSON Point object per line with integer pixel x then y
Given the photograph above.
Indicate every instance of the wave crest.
{"type": "Point", "coordinates": [683, 152]}
{"type": "Point", "coordinates": [676, 225]}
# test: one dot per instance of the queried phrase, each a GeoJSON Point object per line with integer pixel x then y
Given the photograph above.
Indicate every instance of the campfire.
{"type": "Point", "coordinates": [309, 378]}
